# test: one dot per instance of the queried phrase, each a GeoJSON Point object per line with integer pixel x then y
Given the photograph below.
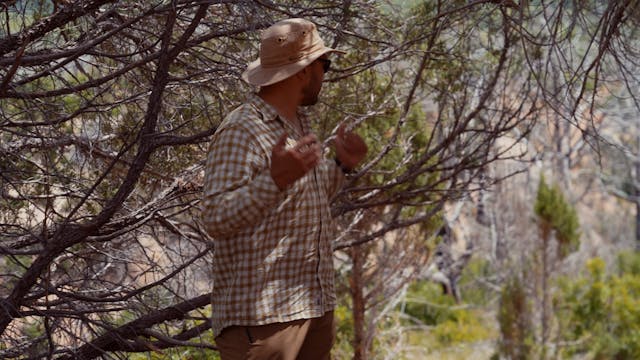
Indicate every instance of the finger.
{"type": "Point", "coordinates": [310, 154]}
{"type": "Point", "coordinates": [281, 143]}
{"type": "Point", "coordinates": [340, 133]}
{"type": "Point", "coordinates": [311, 151]}
{"type": "Point", "coordinates": [310, 162]}
{"type": "Point", "coordinates": [306, 142]}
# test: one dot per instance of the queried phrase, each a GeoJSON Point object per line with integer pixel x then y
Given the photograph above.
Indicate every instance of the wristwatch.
{"type": "Point", "coordinates": [344, 169]}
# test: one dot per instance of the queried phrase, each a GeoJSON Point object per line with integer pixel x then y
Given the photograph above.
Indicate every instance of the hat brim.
{"type": "Point", "coordinates": [257, 75]}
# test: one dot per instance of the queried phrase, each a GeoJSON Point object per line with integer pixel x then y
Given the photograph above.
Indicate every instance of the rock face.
{"type": "Point", "coordinates": [497, 222]}
{"type": "Point", "coordinates": [449, 259]}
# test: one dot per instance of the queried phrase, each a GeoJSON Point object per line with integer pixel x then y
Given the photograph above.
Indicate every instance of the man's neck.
{"type": "Point", "coordinates": [283, 105]}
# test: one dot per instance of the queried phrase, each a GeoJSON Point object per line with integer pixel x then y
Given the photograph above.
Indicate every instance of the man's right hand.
{"type": "Point", "coordinates": [289, 165]}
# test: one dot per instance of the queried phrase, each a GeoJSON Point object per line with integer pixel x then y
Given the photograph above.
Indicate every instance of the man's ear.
{"type": "Point", "coordinates": [304, 74]}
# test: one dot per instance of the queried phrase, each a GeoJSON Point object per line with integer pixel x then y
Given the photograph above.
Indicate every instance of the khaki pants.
{"type": "Point", "coordinates": [300, 339]}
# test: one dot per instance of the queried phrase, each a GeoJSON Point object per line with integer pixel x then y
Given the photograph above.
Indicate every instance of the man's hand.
{"type": "Point", "coordinates": [350, 148]}
{"type": "Point", "coordinates": [289, 165]}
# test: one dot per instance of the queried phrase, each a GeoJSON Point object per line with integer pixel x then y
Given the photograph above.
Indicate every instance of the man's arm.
{"type": "Point", "coordinates": [241, 185]}
{"type": "Point", "coordinates": [238, 189]}
{"type": "Point", "coordinates": [350, 151]}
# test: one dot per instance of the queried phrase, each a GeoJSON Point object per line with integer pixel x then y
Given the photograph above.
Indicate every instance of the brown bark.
{"type": "Point", "coordinates": [358, 303]}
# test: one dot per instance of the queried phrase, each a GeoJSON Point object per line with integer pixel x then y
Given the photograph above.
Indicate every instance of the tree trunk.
{"type": "Point", "coordinates": [637, 196]}
{"type": "Point", "coordinates": [357, 297]}
{"type": "Point", "coordinates": [546, 234]}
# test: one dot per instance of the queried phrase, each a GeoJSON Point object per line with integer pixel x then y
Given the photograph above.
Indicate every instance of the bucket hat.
{"type": "Point", "coordinates": [286, 47]}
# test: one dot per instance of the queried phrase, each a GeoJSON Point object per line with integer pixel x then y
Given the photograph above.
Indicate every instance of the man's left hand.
{"type": "Point", "coordinates": [350, 148]}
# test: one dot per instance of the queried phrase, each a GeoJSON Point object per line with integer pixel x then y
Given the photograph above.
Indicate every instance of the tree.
{"type": "Point", "coordinates": [106, 107]}
{"type": "Point", "coordinates": [556, 220]}
{"type": "Point", "coordinates": [514, 318]}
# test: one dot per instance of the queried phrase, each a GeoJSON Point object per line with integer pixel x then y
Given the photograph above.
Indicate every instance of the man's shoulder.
{"type": "Point", "coordinates": [245, 112]}
{"type": "Point", "coordinates": [243, 117]}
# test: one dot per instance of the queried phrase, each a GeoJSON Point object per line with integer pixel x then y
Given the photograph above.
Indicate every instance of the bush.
{"type": "Point", "coordinates": [602, 312]}
{"type": "Point", "coordinates": [451, 323]}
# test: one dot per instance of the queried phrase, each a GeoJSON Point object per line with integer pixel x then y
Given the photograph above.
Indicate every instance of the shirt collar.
{"type": "Point", "coordinates": [267, 111]}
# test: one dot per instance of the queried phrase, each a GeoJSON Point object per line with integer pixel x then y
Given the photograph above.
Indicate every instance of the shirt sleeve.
{"type": "Point", "coordinates": [238, 188]}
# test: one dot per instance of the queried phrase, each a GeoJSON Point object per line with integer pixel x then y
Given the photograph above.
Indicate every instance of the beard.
{"type": "Point", "coordinates": [311, 91]}
{"type": "Point", "coordinates": [309, 99]}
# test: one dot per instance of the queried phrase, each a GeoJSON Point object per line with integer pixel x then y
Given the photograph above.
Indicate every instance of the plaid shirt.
{"type": "Point", "coordinates": [272, 257]}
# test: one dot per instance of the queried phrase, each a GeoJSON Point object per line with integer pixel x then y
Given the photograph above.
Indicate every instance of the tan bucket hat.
{"type": "Point", "coordinates": [286, 47]}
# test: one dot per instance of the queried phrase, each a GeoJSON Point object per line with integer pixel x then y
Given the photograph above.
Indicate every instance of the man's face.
{"type": "Point", "coordinates": [311, 91]}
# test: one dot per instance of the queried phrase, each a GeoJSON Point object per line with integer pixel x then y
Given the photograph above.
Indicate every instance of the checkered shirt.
{"type": "Point", "coordinates": [272, 258]}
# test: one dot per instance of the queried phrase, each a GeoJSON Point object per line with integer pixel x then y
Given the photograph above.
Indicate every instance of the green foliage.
{"type": "Point", "coordinates": [514, 317]}
{"type": "Point", "coordinates": [180, 353]}
{"type": "Point", "coordinates": [11, 268]}
{"type": "Point", "coordinates": [24, 14]}
{"type": "Point", "coordinates": [343, 317]}
{"type": "Point", "coordinates": [427, 304]}
{"type": "Point", "coordinates": [555, 213]}
{"type": "Point", "coordinates": [472, 291]}
{"type": "Point", "coordinates": [451, 324]}
{"type": "Point", "coordinates": [601, 311]}
{"type": "Point", "coordinates": [629, 263]}
{"type": "Point", "coordinates": [184, 352]}
{"type": "Point", "coordinates": [466, 326]}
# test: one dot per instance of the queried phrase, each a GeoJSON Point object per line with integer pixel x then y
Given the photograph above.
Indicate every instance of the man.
{"type": "Point", "coordinates": [266, 205]}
